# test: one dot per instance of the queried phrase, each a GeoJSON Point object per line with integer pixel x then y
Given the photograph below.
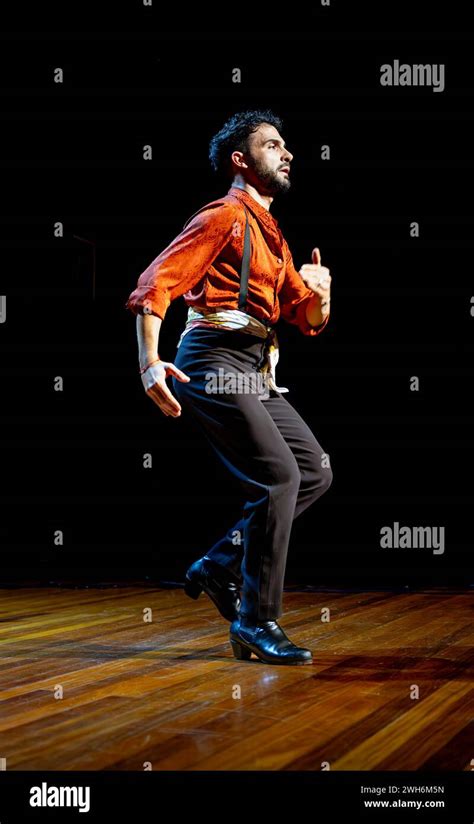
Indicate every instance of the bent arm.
{"type": "Point", "coordinates": [298, 304]}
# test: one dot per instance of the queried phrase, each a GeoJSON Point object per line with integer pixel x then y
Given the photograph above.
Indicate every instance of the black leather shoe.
{"type": "Point", "coordinates": [267, 641]}
{"type": "Point", "coordinates": [206, 575]}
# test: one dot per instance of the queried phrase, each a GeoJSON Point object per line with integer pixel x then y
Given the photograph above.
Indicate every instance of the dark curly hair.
{"type": "Point", "coordinates": [234, 137]}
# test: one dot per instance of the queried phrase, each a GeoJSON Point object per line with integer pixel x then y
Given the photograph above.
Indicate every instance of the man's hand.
{"type": "Point", "coordinates": [154, 382]}
{"type": "Point", "coordinates": [318, 279]}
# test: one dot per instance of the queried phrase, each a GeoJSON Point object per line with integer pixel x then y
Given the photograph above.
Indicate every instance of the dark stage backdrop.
{"type": "Point", "coordinates": [387, 387]}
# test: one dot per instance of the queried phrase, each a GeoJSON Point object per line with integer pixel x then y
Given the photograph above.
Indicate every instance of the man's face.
{"type": "Point", "coordinates": [267, 159]}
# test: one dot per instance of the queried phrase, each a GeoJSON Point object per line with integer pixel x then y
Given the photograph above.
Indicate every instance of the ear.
{"type": "Point", "coordinates": [238, 159]}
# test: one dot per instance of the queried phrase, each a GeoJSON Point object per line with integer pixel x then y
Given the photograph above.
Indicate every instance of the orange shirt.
{"type": "Point", "coordinates": [203, 264]}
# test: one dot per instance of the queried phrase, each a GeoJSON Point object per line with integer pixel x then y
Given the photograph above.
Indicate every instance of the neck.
{"type": "Point", "coordinates": [264, 200]}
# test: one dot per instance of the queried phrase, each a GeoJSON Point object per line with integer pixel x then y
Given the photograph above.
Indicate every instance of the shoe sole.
{"type": "Point", "coordinates": [244, 653]}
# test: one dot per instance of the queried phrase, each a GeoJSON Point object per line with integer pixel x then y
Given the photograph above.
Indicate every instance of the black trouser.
{"type": "Point", "coordinates": [267, 446]}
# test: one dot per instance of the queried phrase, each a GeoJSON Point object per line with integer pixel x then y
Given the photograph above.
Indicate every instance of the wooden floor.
{"type": "Point", "coordinates": [169, 693]}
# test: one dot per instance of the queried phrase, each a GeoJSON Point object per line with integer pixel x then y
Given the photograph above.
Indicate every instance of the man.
{"type": "Point", "coordinates": [235, 270]}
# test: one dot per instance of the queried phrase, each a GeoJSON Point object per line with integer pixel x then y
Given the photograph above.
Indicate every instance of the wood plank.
{"type": "Point", "coordinates": [164, 691]}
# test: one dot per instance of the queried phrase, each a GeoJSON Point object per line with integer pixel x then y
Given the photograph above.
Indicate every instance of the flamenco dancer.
{"type": "Point", "coordinates": [235, 271]}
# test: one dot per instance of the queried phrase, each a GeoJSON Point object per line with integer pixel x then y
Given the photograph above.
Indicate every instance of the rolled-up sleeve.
{"type": "Point", "coordinates": [184, 262]}
{"type": "Point", "coordinates": [294, 296]}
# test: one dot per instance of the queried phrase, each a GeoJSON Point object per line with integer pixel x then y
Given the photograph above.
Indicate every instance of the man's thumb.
{"type": "Point", "coordinates": [316, 256]}
{"type": "Point", "coordinates": [173, 370]}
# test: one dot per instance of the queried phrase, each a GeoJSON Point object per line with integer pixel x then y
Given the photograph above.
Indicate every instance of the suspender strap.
{"type": "Point", "coordinates": [245, 267]}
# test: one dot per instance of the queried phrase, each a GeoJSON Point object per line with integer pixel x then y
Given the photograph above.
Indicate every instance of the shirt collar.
{"type": "Point", "coordinates": [258, 210]}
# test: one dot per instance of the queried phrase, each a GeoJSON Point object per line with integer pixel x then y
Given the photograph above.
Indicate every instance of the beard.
{"type": "Point", "coordinates": [271, 182]}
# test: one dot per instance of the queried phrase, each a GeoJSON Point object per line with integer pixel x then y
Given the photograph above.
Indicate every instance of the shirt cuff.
{"type": "Point", "coordinates": [151, 304]}
{"type": "Point", "coordinates": [305, 327]}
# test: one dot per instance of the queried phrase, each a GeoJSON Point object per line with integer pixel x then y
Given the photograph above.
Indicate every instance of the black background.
{"type": "Point", "coordinates": [401, 306]}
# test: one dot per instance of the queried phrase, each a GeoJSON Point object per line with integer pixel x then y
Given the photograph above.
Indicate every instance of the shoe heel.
{"type": "Point", "coordinates": [192, 589]}
{"type": "Point", "coordinates": [240, 652]}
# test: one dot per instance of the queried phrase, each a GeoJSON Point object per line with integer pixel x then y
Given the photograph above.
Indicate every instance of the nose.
{"type": "Point", "coordinates": [287, 155]}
